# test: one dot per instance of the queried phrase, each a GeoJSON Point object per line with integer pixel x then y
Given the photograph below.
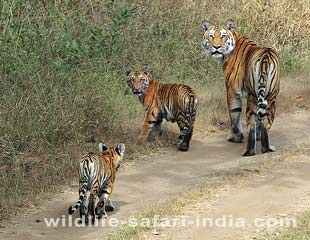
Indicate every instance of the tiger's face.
{"type": "Point", "coordinates": [137, 81]}
{"type": "Point", "coordinates": [218, 41]}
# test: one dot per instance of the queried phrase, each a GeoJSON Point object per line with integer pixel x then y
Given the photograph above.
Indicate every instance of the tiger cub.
{"type": "Point", "coordinates": [173, 102]}
{"type": "Point", "coordinates": [97, 176]}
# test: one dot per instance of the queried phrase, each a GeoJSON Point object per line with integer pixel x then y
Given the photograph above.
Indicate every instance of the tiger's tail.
{"type": "Point", "coordinates": [83, 190]}
{"type": "Point", "coordinates": [86, 172]}
{"type": "Point", "coordinates": [261, 93]}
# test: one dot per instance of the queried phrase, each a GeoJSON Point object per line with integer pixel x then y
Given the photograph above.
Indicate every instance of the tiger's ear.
{"type": "Point", "coordinates": [230, 24]}
{"type": "Point", "coordinates": [127, 70]}
{"type": "Point", "coordinates": [205, 25]}
{"type": "Point", "coordinates": [102, 147]}
{"type": "Point", "coordinates": [145, 70]}
{"type": "Point", "coordinates": [120, 149]}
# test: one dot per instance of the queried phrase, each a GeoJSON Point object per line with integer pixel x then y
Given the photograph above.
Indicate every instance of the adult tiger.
{"type": "Point", "coordinates": [253, 69]}
{"type": "Point", "coordinates": [173, 102]}
{"type": "Point", "coordinates": [97, 175]}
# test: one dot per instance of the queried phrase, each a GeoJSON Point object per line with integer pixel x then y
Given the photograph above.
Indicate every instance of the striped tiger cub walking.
{"type": "Point", "coordinates": [173, 102]}
{"type": "Point", "coordinates": [250, 68]}
{"type": "Point", "coordinates": [97, 175]}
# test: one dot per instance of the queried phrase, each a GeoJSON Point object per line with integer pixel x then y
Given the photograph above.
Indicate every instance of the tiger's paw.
{"type": "Point", "coordinates": [184, 147]}
{"type": "Point", "coordinates": [109, 207]}
{"type": "Point", "coordinates": [236, 138]}
{"type": "Point", "coordinates": [103, 215]}
{"type": "Point", "coordinates": [270, 149]}
{"type": "Point", "coordinates": [248, 152]}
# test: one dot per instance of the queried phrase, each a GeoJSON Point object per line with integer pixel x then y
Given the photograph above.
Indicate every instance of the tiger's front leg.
{"type": "Point", "coordinates": [156, 131]}
{"type": "Point", "coordinates": [110, 206]}
{"type": "Point", "coordinates": [234, 100]}
{"type": "Point", "coordinates": [149, 122]}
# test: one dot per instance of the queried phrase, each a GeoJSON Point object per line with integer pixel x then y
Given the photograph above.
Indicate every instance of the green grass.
{"type": "Point", "coordinates": [62, 83]}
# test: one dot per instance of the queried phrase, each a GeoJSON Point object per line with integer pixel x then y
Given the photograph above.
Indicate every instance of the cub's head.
{"type": "Point", "coordinates": [138, 81]}
{"type": "Point", "coordinates": [117, 153]}
{"type": "Point", "coordinates": [218, 41]}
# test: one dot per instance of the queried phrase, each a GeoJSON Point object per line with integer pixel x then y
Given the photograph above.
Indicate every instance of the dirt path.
{"type": "Point", "coordinates": [166, 176]}
{"type": "Point", "coordinates": [269, 198]}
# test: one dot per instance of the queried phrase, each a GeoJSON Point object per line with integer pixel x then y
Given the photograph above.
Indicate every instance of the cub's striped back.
{"type": "Point", "coordinates": [96, 178]}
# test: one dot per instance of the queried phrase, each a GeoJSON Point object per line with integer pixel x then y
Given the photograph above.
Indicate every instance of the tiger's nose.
{"type": "Point", "coordinates": [216, 46]}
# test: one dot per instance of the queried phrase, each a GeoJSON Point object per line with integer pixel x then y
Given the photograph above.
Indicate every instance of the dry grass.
{"type": "Point", "coordinates": [63, 89]}
{"type": "Point", "coordinates": [295, 91]}
{"type": "Point", "coordinates": [301, 232]}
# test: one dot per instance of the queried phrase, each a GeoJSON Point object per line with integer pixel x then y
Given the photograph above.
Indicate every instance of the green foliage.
{"type": "Point", "coordinates": [70, 49]}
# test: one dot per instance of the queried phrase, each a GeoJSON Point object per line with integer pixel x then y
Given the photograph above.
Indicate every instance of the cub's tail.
{"type": "Point", "coordinates": [71, 209]}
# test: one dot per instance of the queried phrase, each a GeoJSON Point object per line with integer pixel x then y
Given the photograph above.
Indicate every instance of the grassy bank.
{"type": "Point", "coordinates": [62, 84]}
